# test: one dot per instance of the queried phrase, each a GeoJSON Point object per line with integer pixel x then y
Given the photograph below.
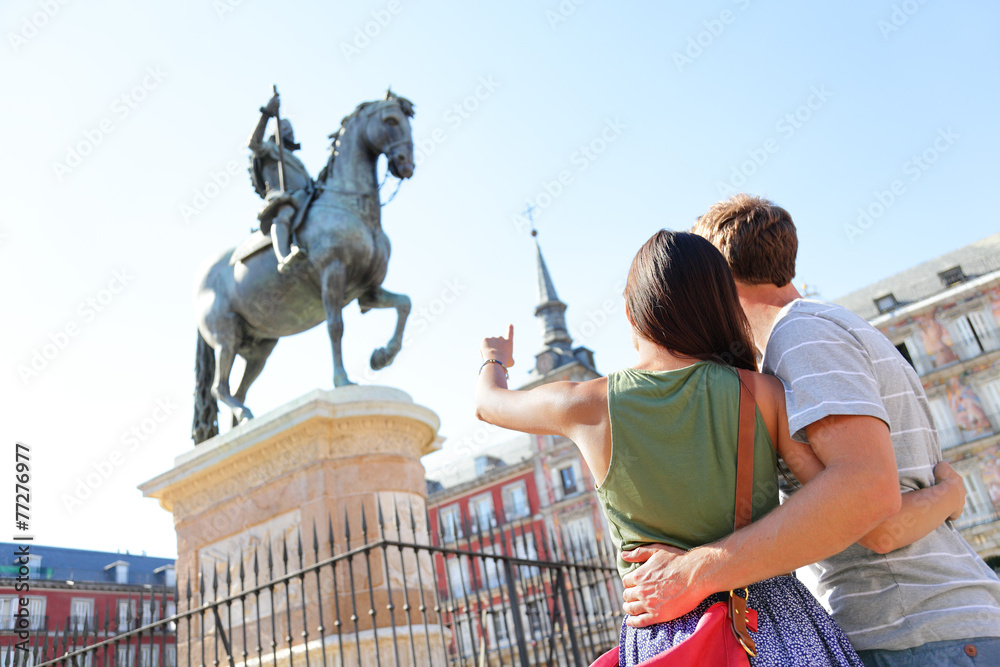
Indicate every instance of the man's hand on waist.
{"type": "Point", "coordinates": [664, 587]}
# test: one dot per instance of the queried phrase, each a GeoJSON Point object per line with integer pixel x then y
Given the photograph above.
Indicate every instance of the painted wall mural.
{"type": "Point", "coordinates": [968, 410]}
{"type": "Point", "coordinates": [936, 340]}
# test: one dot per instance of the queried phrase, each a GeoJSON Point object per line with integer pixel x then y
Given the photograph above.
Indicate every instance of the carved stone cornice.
{"type": "Point", "coordinates": [322, 426]}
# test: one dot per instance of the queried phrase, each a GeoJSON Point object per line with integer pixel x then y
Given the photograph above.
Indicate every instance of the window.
{"type": "Point", "coordinates": [126, 615]}
{"type": "Point", "coordinates": [536, 614]}
{"type": "Point", "coordinates": [886, 303]}
{"type": "Point", "coordinates": [978, 505]}
{"type": "Point", "coordinates": [125, 656]}
{"type": "Point", "coordinates": [481, 508]}
{"type": "Point", "coordinates": [463, 638]}
{"type": "Point", "coordinates": [119, 570]}
{"type": "Point", "coordinates": [169, 575]}
{"type": "Point", "coordinates": [905, 352]}
{"type": "Point", "coordinates": [491, 572]}
{"type": "Point", "coordinates": [459, 582]}
{"type": "Point", "coordinates": [10, 655]}
{"type": "Point", "coordinates": [36, 612]}
{"type": "Point", "coordinates": [499, 627]}
{"type": "Point", "coordinates": [82, 613]}
{"type": "Point", "coordinates": [485, 464]}
{"type": "Point", "coordinates": [952, 276]}
{"type": "Point", "coordinates": [567, 480]}
{"type": "Point", "coordinates": [944, 421]}
{"type": "Point", "coordinates": [524, 547]}
{"type": "Point", "coordinates": [147, 613]}
{"type": "Point", "coordinates": [976, 333]}
{"type": "Point", "coordinates": [581, 534]}
{"type": "Point", "coordinates": [515, 501]}
{"type": "Point", "coordinates": [8, 607]}
{"type": "Point", "coordinates": [34, 567]}
{"type": "Point", "coordinates": [170, 656]}
{"type": "Point", "coordinates": [450, 519]}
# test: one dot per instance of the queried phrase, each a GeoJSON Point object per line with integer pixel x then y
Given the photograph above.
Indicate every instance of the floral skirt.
{"type": "Point", "coordinates": [793, 630]}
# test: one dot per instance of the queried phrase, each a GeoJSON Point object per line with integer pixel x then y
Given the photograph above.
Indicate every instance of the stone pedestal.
{"type": "Point", "coordinates": [331, 459]}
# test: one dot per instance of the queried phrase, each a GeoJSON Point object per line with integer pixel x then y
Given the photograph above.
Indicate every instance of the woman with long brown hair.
{"type": "Point", "coordinates": [660, 438]}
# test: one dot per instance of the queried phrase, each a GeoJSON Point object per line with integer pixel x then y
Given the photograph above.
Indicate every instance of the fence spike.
{"type": "Point", "coordinates": [364, 524]}
{"type": "Point", "coordinates": [329, 532]}
{"type": "Point", "coordinates": [413, 524]}
{"type": "Point", "coordinates": [301, 561]}
{"type": "Point", "coordinates": [284, 551]}
{"type": "Point", "coordinates": [315, 542]}
{"type": "Point", "coordinates": [381, 518]}
{"type": "Point", "coordinates": [347, 529]}
{"type": "Point", "coordinates": [270, 559]}
{"type": "Point", "coordinates": [242, 574]}
{"type": "Point", "coordinates": [215, 582]}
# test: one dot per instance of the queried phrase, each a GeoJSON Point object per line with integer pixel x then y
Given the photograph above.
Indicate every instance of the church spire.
{"type": "Point", "coordinates": [550, 310]}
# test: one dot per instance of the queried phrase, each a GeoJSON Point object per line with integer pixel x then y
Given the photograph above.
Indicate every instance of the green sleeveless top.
{"type": "Point", "coordinates": [672, 476]}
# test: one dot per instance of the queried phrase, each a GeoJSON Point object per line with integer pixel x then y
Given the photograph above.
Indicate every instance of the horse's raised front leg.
{"type": "Point", "coordinates": [381, 298]}
{"type": "Point", "coordinates": [220, 386]}
{"type": "Point", "coordinates": [334, 283]}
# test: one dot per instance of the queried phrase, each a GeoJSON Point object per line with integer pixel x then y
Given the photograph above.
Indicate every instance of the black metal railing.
{"type": "Point", "coordinates": [136, 633]}
{"type": "Point", "coordinates": [383, 595]}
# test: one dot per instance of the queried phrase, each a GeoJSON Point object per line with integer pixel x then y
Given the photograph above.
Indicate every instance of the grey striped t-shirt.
{"type": "Point", "coordinates": [832, 362]}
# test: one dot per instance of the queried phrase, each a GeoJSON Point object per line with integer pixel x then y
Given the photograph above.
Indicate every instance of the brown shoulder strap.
{"type": "Point", "coordinates": [744, 452]}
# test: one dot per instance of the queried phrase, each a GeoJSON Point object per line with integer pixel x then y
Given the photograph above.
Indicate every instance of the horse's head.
{"type": "Point", "coordinates": [387, 131]}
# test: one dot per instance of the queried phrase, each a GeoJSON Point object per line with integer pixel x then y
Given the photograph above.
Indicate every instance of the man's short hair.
{"type": "Point", "coordinates": [755, 236]}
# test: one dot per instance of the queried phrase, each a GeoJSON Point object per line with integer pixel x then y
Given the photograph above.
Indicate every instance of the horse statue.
{"type": "Point", "coordinates": [244, 304]}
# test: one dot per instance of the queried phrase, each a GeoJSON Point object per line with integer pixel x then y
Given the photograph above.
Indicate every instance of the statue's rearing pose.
{"type": "Point", "coordinates": [284, 209]}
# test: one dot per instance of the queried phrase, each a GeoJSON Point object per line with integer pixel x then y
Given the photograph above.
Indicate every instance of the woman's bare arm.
{"type": "Point", "coordinates": [576, 410]}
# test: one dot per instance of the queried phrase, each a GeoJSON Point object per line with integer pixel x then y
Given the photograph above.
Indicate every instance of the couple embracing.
{"type": "Point", "coordinates": [835, 401]}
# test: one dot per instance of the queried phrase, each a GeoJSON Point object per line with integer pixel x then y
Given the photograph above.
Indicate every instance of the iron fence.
{"type": "Point", "coordinates": [382, 592]}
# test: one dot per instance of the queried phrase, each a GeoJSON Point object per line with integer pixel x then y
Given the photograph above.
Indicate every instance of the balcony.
{"type": "Point", "coordinates": [953, 436]}
{"type": "Point", "coordinates": [962, 349]}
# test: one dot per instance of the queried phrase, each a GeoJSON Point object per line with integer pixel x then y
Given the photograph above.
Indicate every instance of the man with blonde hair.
{"type": "Point", "coordinates": [861, 407]}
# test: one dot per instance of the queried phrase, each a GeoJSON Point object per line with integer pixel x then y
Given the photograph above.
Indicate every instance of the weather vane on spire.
{"type": "Point", "coordinates": [529, 213]}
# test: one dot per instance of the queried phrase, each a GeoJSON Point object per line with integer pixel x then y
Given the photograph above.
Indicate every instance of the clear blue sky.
{"type": "Point", "coordinates": [821, 107]}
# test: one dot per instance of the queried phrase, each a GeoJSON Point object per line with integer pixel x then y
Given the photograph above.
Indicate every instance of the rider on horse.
{"type": "Point", "coordinates": [284, 209]}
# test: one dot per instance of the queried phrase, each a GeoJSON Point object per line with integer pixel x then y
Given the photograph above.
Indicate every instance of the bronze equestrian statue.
{"type": "Point", "coordinates": [245, 304]}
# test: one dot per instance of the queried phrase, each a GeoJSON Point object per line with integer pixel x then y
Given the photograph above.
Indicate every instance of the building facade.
{"type": "Point", "coordinates": [65, 593]}
{"type": "Point", "coordinates": [531, 495]}
{"type": "Point", "coordinates": [944, 318]}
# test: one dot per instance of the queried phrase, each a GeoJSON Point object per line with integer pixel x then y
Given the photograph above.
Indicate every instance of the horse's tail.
{"type": "Point", "coordinates": [206, 410]}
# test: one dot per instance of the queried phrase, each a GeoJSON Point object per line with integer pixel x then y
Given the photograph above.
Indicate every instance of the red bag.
{"type": "Point", "coordinates": [720, 639]}
{"type": "Point", "coordinates": [704, 647]}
